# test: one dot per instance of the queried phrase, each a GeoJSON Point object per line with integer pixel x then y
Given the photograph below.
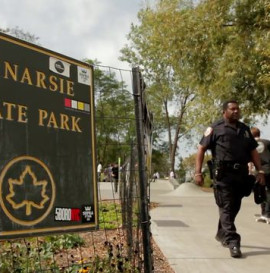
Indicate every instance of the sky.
{"type": "Point", "coordinates": [92, 29]}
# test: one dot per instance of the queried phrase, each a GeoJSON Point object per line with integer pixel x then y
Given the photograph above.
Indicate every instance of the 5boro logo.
{"type": "Point", "coordinates": [85, 215]}
{"type": "Point", "coordinates": [67, 214]}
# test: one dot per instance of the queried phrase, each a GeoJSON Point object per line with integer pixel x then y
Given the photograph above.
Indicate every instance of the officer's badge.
{"type": "Point", "coordinates": [208, 131]}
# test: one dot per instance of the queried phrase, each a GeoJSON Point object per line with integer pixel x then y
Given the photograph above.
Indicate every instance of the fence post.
{"type": "Point", "coordinates": [145, 218]}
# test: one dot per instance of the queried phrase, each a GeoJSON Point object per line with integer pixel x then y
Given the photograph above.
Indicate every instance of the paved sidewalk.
{"type": "Point", "coordinates": [184, 226]}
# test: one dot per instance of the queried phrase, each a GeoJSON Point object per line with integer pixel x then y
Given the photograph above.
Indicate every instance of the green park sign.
{"type": "Point", "coordinates": [47, 142]}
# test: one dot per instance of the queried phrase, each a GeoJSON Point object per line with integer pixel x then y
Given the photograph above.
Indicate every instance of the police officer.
{"type": "Point", "coordinates": [264, 152]}
{"type": "Point", "coordinates": [232, 147]}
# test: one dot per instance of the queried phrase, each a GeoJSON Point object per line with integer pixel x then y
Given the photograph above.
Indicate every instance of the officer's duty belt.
{"type": "Point", "coordinates": [232, 165]}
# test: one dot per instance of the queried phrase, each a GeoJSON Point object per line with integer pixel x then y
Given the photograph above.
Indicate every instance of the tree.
{"type": "Point", "coordinates": [188, 164]}
{"type": "Point", "coordinates": [160, 162]}
{"type": "Point", "coordinates": [190, 53]}
{"type": "Point", "coordinates": [166, 86]}
{"type": "Point", "coordinates": [114, 116]}
{"type": "Point", "coordinates": [232, 42]}
{"type": "Point", "coordinates": [181, 173]}
{"type": "Point", "coordinates": [21, 34]}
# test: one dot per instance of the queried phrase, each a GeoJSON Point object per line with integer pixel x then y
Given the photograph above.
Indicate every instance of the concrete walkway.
{"type": "Point", "coordinates": [184, 226]}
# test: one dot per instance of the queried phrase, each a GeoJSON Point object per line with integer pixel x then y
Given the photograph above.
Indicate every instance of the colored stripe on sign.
{"type": "Point", "coordinates": [67, 102]}
{"type": "Point", "coordinates": [86, 107]}
{"type": "Point", "coordinates": [78, 105]}
{"type": "Point", "coordinates": [74, 104]}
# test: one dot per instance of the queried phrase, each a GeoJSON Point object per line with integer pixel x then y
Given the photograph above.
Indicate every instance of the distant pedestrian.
{"type": "Point", "coordinates": [264, 152]}
{"type": "Point", "coordinates": [154, 177]}
{"type": "Point", "coordinates": [115, 175]}
{"type": "Point", "coordinates": [110, 179]}
{"type": "Point", "coordinates": [171, 174]}
{"type": "Point", "coordinates": [99, 170]}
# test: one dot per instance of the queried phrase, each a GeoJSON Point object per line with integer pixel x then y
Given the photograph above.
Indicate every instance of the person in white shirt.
{"type": "Point", "coordinates": [99, 169]}
{"type": "Point", "coordinates": [171, 174]}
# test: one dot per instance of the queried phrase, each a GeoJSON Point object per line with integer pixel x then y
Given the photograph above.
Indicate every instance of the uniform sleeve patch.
{"type": "Point", "coordinates": [208, 131]}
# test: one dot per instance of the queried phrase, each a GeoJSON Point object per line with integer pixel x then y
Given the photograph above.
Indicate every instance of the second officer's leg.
{"type": "Point", "coordinates": [266, 204]}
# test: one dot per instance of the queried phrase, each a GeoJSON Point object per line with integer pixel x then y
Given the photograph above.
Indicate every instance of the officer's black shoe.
{"type": "Point", "coordinates": [223, 243]}
{"type": "Point", "coordinates": [218, 238]}
{"type": "Point", "coordinates": [235, 252]}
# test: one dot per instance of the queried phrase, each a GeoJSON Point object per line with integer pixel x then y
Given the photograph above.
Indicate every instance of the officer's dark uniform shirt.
{"type": "Point", "coordinates": [264, 151]}
{"type": "Point", "coordinates": [228, 143]}
{"type": "Point", "coordinates": [115, 172]}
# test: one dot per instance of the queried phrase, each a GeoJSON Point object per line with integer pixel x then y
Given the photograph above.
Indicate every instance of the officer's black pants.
{"type": "Point", "coordinates": [265, 206]}
{"type": "Point", "coordinates": [115, 180]}
{"type": "Point", "coordinates": [228, 194]}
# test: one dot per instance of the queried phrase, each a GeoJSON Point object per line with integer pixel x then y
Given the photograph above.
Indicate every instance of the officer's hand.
{"type": "Point", "coordinates": [199, 180]}
{"type": "Point", "coordinates": [260, 178]}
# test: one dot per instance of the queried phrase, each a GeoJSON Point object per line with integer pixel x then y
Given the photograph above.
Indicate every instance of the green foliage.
{"type": "Point", "coordinates": [181, 172]}
{"type": "Point", "coordinates": [188, 164]}
{"type": "Point", "coordinates": [109, 215]}
{"type": "Point", "coordinates": [114, 116]}
{"type": "Point", "coordinates": [196, 56]}
{"type": "Point", "coordinates": [33, 254]}
{"type": "Point", "coordinates": [115, 260]}
{"type": "Point", "coordinates": [38, 254]}
{"type": "Point", "coordinates": [65, 241]}
{"type": "Point", "coordinates": [160, 162]}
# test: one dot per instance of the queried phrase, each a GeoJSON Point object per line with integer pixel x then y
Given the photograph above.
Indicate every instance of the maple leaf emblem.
{"type": "Point", "coordinates": [27, 180]}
